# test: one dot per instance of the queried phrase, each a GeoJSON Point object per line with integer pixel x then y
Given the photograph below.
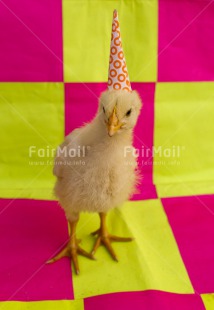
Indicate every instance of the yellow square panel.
{"type": "Point", "coordinates": [32, 124]}
{"type": "Point", "coordinates": [183, 143]}
{"type": "Point", "coordinates": [43, 305]}
{"type": "Point", "coordinates": [87, 33]}
{"type": "Point", "coordinates": [150, 262]}
{"type": "Point", "coordinates": [208, 300]}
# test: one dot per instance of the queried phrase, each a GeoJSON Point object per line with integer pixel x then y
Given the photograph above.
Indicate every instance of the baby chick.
{"type": "Point", "coordinates": [107, 176]}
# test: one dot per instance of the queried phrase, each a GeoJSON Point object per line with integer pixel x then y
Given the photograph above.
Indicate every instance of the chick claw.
{"type": "Point", "coordinates": [71, 250]}
{"type": "Point", "coordinates": [105, 239]}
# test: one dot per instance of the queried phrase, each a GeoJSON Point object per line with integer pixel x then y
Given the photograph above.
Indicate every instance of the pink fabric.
{"type": "Point", "coordinates": [186, 39]}
{"type": "Point", "coordinates": [151, 300]}
{"type": "Point", "coordinates": [31, 41]}
{"type": "Point", "coordinates": [81, 102]}
{"type": "Point", "coordinates": [143, 137]}
{"type": "Point", "coordinates": [192, 222]}
{"type": "Point", "coordinates": [31, 232]}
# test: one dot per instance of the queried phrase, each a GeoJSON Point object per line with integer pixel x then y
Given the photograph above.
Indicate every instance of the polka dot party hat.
{"type": "Point", "coordinates": [118, 77]}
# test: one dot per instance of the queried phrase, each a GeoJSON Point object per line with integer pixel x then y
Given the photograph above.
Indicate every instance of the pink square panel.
{"type": "Point", "coordinates": [81, 103]}
{"type": "Point", "coordinates": [186, 39]}
{"type": "Point", "coordinates": [31, 41]}
{"type": "Point", "coordinates": [151, 300]}
{"type": "Point", "coordinates": [32, 231]}
{"type": "Point", "coordinates": [192, 222]}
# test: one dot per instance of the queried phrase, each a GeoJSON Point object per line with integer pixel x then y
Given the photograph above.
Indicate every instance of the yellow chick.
{"type": "Point", "coordinates": [107, 176]}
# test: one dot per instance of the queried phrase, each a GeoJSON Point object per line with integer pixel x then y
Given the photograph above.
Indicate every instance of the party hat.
{"type": "Point", "coordinates": [118, 77]}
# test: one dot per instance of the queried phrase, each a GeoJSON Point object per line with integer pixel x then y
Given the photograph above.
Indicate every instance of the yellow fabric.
{"type": "Point", "coordinates": [208, 300]}
{"type": "Point", "coordinates": [184, 118]}
{"type": "Point", "coordinates": [87, 37]}
{"type": "Point", "coordinates": [32, 114]}
{"type": "Point", "coordinates": [154, 251]}
{"type": "Point", "coordinates": [43, 305]}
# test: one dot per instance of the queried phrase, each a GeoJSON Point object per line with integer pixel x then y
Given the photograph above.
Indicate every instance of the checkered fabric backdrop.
{"type": "Point", "coordinates": [53, 66]}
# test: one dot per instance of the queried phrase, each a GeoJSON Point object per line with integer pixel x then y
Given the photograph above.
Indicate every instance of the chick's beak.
{"type": "Point", "coordinates": [113, 124]}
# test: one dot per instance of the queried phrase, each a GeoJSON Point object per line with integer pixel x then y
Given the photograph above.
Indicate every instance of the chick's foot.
{"type": "Point", "coordinates": [105, 238]}
{"type": "Point", "coordinates": [72, 249]}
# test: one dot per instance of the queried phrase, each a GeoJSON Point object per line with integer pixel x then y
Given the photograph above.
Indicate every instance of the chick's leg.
{"type": "Point", "coordinates": [105, 238]}
{"type": "Point", "coordinates": [72, 249]}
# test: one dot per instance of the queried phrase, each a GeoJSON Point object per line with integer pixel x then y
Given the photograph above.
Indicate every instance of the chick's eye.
{"type": "Point", "coordinates": [104, 110]}
{"type": "Point", "coordinates": [128, 112]}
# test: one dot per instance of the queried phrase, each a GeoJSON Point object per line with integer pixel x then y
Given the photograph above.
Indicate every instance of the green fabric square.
{"type": "Point", "coordinates": [31, 116]}
{"type": "Point", "coordinates": [87, 35]}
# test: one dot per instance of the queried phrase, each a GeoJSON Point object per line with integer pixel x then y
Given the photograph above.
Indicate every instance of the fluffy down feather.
{"type": "Point", "coordinates": [99, 177]}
